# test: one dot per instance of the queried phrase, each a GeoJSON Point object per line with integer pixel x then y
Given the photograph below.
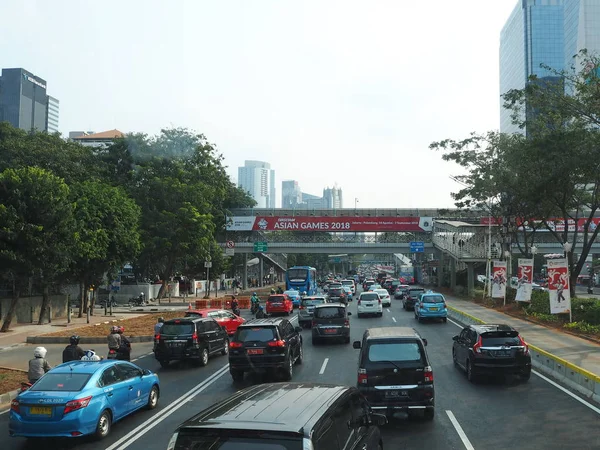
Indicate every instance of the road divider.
{"type": "Point", "coordinates": [573, 376]}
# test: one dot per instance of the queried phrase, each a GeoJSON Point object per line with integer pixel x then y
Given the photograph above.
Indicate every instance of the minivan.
{"type": "Point", "coordinates": [394, 372]}
{"type": "Point", "coordinates": [284, 416]}
{"type": "Point", "coordinates": [330, 321]}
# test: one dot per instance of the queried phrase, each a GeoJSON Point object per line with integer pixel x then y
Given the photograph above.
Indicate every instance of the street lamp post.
{"type": "Point", "coordinates": [355, 203]}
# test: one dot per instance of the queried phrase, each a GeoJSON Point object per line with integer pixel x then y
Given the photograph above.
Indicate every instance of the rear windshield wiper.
{"type": "Point", "coordinates": [391, 362]}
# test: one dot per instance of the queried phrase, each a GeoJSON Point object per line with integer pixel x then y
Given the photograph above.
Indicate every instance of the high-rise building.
{"type": "Point", "coordinates": [257, 178]}
{"type": "Point", "coordinates": [582, 20]}
{"type": "Point", "coordinates": [23, 100]}
{"type": "Point", "coordinates": [332, 198]}
{"type": "Point", "coordinates": [52, 110]}
{"type": "Point", "coordinates": [291, 195]}
{"type": "Point", "coordinates": [532, 35]}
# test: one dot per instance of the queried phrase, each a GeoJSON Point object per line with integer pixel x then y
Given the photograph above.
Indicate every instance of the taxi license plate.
{"type": "Point", "coordinates": [330, 330]}
{"type": "Point", "coordinates": [433, 309]}
{"type": "Point", "coordinates": [255, 351]}
{"type": "Point", "coordinates": [41, 410]}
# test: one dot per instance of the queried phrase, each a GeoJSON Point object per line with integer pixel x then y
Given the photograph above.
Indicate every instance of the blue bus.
{"type": "Point", "coordinates": [302, 278]}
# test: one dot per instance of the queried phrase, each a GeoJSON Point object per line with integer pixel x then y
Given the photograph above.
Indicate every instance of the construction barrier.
{"type": "Point", "coordinates": [201, 304]}
{"type": "Point", "coordinates": [222, 303]}
{"type": "Point", "coordinates": [216, 303]}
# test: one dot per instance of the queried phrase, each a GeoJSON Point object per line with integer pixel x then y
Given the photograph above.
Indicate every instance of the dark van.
{"type": "Point", "coordinates": [394, 372]}
{"type": "Point", "coordinates": [284, 416]}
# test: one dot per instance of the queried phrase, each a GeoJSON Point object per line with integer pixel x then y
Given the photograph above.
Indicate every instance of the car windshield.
{"type": "Point", "coordinates": [313, 302]}
{"type": "Point", "coordinates": [432, 299]}
{"type": "Point", "coordinates": [62, 382]}
{"type": "Point", "coordinates": [395, 351]}
{"type": "Point", "coordinates": [175, 329]}
{"type": "Point", "coordinates": [330, 312]}
{"type": "Point", "coordinates": [347, 283]}
{"type": "Point", "coordinates": [246, 334]}
{"type": "Point", "coordinates": [370, 296]}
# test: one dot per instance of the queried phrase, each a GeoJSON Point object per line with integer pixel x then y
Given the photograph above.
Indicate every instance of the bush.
{"type": "Point", "coordinates": [583, 327]}
{"type": "Point", "coordinates": [545, 317]}
{"type": "Point", "coordinates": [586, 310]}
{"type": "Point", "coordinates": [540, 303]}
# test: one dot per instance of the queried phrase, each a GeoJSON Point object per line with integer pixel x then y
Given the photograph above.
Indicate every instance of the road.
{"type": "Point", "coordinates": [495, 414]}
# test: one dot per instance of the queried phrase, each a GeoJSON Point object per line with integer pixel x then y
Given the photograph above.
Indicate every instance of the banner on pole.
{"type": "Point", "coordinates": [558, 285]}
{"type": "Point", "coordinates": [499, 279]}
{"type": "Point", "coordinates": [524, 280]}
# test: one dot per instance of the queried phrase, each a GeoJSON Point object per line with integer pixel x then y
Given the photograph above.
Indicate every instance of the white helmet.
{"type": "Point", "coordinates": [40, 352]}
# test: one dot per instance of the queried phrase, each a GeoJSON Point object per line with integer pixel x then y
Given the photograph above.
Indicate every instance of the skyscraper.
{"type": "Point", "coordinates": [257, 178]}
{"type": "Point", "coordinates": [52, 111]}
{"type": "Point", "coordinates": [332, 198]}
{"type": "Point", "coordinates": [291, 195]}
{"type": "Point", "coordinates": [582, 20]}
{"type": "Point", "coordinates": [532, 35]}
{"type": "Point", "coordinates": [24, 101]}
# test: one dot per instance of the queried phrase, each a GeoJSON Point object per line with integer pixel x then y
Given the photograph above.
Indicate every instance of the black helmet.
{"type": "Point", "coordinates": [161, 320]}
{"type": "Point", "coordinates": [74, 340]}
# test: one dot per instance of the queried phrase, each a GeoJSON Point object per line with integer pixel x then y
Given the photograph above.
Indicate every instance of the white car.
{"type": "Point", "coordinates": [384, 295]}
{"type": "Point", "coordinates": [350, 284]}
{"type": "Point", "coordinates": [369, 303]}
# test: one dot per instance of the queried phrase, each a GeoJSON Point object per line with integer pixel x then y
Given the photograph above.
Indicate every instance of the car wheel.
{"type": "Point", "coordinates": [103, 425]}
{"type": "Point", "coordinates": [237, 375]}
{"type": "Point", "coordinates": [300, 356]}
{"type": "Point", "coordinates": [380, 314]}
{"type": "Point", "coordinates": [152, 398]}
{"type": "Point", "coordinates": [525, 376]}
{"type": "Point", "coordinates": [359, 315]}
{"type": "Point", "coordinates": [454, 360]}
{"type": "Point", "coordinates": [164, 363]}
{"type": "Point", "coordinates": [445, 319]}
{"type": "Point", "coordinates": [404, 306]}
{"type": "Point", "coordinates": [289, 370]}
{"type": "Point", "coordinates": [225, 350]}
{"type": "Point", "coordinates": [347, 340]}
{"type": "Point", "coordinates": [314, 341]}
{"type": "Point", "coordinates": [470, 371]}
{"type": "Point", "coordinates": [429, 413]}
{"type": "Point", "coordinates": [204, 357]}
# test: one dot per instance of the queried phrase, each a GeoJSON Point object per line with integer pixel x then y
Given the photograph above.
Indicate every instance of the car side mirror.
{"type": "Point", "coordinates": [146, 372]}
{"type": "Point", "coordinates": [349, 313]}
{"type": "Point", "coordinates": [356, 344]}
{"type": "Point", "coordinates": [425, 342]}
{"type": "Point", "coordinates": [379, 419]}
{"type": "Point", "coordinates": [455, 338]}
{"type": "Point", "coordinates": [298, 329]}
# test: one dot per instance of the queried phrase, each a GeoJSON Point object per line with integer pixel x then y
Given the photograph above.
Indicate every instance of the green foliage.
{"type": "Point", "coordinates": [583, 327]}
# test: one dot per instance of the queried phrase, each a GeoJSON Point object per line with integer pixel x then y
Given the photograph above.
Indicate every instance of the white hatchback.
{"type": "Point", "coordinates": [384, 295]}
{"type": "Point", "coordinates": [369, 303]}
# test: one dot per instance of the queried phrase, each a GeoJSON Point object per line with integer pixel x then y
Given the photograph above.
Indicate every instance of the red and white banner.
{"type": "Point", "coordinates": [558, 285]}
{"type": "Point", "coordinates": [329, 224]}
{"type": "Point", "coordinates": [524, 280]}
{"type": "Point", "coordinates": [499, 279]}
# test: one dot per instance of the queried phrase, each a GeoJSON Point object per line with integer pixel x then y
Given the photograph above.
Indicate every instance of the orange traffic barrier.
{"type": "Point", "coordinates": [216, 303]}
{"type": "Point", "coordinates": [201, 304]}
{"type": "Point", "coordinates": [244, 303]}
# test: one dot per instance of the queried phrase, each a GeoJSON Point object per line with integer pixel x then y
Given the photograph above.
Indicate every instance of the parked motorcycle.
{"type": "Point", "coordinates": [137, 301]}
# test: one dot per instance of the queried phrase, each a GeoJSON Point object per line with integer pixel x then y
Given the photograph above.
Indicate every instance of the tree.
{"type": "Point", "coordinates": [107, 232]}
{"type": "Point", "coordinates": [36, 230]}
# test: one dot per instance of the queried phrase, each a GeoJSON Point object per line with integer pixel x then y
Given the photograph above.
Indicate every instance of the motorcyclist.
{"type": "Point", "coordinates": [279, 290]}
{"type": "Point", "coordinates": [158, 326]}
{"type": "Point", "coordinates": [255, 302]}
{"type": "Point", "coordinates": [304, 294]}
{"type": "Point", "coordinates": [235, 307]}
{"type": "Point", "coordinates": [114, 339]}
{"type": "Point", "coordinates": [38, 366]}
{"type": "Point", "coordinates": [272, 290]}
{"type": "Point", "coordinates": [260, 312]}
{"type": "Point", "coordinates": [124, 352]}
{"type": "Point", "coordinates": [73, 351]}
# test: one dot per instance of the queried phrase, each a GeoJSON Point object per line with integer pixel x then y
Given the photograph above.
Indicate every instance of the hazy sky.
{"type": "Point", "coordinates": [328, 92]}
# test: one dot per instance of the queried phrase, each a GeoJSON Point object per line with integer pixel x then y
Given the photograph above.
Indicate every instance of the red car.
{"type": "Point", "coordinates": [226, 319]}
{"type": "Point", "coordinates": [279, 303]}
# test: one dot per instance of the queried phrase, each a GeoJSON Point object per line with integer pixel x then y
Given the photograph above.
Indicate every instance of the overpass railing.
{"type": "Point", "coordinates": [324, 238]}
{"type": "Point", "coordinates": [463, 241]}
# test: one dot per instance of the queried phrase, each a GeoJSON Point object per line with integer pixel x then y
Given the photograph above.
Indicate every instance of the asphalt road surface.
{"type": "Point", "coordinates": [495, 414]}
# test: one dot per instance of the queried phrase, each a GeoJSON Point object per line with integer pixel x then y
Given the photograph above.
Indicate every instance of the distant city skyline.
{"type": "Point", "coordinates": [258, 179]}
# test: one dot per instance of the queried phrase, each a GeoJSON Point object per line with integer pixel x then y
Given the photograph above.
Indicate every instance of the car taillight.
{"type": "Point", "coordinates": [235, 344]}
{"type": "Point", "coordinates": [362, 376]}
{"type": "Point", "coordinates": [195, 338]}
{"type": "Point", "coordinates": [478, 345]}
{"type": "Point", "coordinates": [301, 307]}
{"type": "Point", "coordinates": [380, 301]}
{"type": "Point", "coordinates": [313, 324]}
{"type": "Point", "coordinates": [444, 305]}
{"type": "Point", "coordinates": [157, 337]}
{"type": "Point", "coordinates": [278, 343]}
{"type": "Point", "coordinates": [421, 305]}
{"type": "Point", "coordinates": [347, 323]}
{"type": "Point", "coordinates": [14, 406]}
{"type": "Point", "coordinates": [74, 405]}
{"type": "Point", "coordinates": [358, 302]}
{"type": "Point", "coordinates": [428, 375]}
{"type": "Point", "coordinates": [524, 344]}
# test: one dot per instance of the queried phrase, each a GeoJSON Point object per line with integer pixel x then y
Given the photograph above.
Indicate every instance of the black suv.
{"type": "Point", "coordinates": [394, 372]}
{"type": "Point", "coordinates": [330, 321]}
{"type": "Point", "coordinates": [411, 297]}
{"type": "Point", "coordinates": [190, 338]}
{"type": "Point", "coordinates": [285, 416]}
{"type": "Point", "coordinates": [262, 345]}
{"type": "Point", "coordinates": [489, 349]}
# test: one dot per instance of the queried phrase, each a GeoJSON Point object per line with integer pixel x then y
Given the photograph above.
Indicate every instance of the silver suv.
{"type": "Point", "coordinates": [307, 308]}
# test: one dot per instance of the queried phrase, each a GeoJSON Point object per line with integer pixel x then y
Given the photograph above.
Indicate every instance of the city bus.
{"type": "Point", "coordinates": [302, 278]}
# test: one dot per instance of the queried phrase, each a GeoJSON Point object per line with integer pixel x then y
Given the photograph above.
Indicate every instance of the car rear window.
{"type": "Point", "coordinates": [433, 299]}
{"type": "Point", "coordinates": [347, 283]}
{"type": "Point", "coordinates": [174, 329]}
{"type": "Point", "coordinates": [276, 299]}
{"type": "Point", "coordinates": [336, 291]}
{"type": "Point", "coordinates": [246, 334]}
{"type": "Point", "coordinates": [316, 301]}
{"type": "Point", "coordinates": [499, 338]}
{"type": "Point", "coordinates": [370, 296]}
{"type": "Point", "coordinates": [395, 351]}
{"type": "Point", "coordinates": [62, 382]}
{"type": "Point", "coordinates": [415, 292]}
{"type": "Point", "coordinates": [331, 312]}
{"type": "Point", "coordinates": [234, 440]}
{"type": "Point", "coordinates": [381, 292]}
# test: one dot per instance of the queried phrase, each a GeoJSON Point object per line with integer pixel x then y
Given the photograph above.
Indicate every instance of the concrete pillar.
{"type": "Point", "coordinates": [245, 275]}
{"type": "Point", "coordinates": [261, 276]}
{"type": "Point", "coordinates": [470, 279]}
{"type": "Point", "coordinates": [441, 268]}
{"type": "Point", "coordinates": [452, 273]}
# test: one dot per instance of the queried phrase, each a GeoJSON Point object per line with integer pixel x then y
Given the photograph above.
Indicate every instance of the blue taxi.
{"type": "Point", "coordinates": [82, 398]}
{"type": "Point", "coordinates": [431, 305]}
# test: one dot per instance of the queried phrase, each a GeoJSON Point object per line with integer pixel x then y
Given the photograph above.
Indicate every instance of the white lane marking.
{"type": "Point", "coordinates": [553, 383]}
{"type": "Point", "coordinates": [5, 411]}
{"type": "Point", "coordinates": [146, 426]}
{"type": "Point", "coordinates": [322, 371]}
{"type": "Point", "coordinates": [394, 319]}
{"type": "Point", "coordinates": [387, 309]}
{"type": "Point", "coordinates": [134, 359]}
{"type": "Point", "coordinates": [459, 430]}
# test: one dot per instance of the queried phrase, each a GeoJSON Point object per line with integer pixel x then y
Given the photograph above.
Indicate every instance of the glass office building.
{"type": "Point", "coordinates": [582, 29]}
{"type": "Point", "coordinates": [23, 99]}
{"type": "Point", "coordinates": [52, 111]}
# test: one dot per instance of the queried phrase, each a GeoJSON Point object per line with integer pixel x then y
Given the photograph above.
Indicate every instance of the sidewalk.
{"type": "Point", "coordinates": [578, 351]}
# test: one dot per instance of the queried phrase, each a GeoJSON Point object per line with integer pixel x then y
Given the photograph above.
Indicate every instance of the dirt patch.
{"type": "Point", "coordinates": [10, 380]}
{"type": "Point", "coordinates": [136, 326]}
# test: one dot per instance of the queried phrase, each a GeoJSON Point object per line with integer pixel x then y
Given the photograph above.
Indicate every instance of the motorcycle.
{"type": "Point", "coordinates": [137, 301]}
{"type": "Point", "coordinates": [254, 308]}
{"type": "Point", "coordinates": [112, 354]}
{"type": "Point", "coordinates": [25, 385]}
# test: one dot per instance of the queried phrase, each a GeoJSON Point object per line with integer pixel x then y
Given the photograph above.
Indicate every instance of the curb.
{"type": "Point", "coordinates": [83, 340]}
{"type": "Point", "coordinates": [575, 377]}
{"type": "Point", "coordinates": [12, 347]}
{"type": "Point", "coordinates": [8, 397]}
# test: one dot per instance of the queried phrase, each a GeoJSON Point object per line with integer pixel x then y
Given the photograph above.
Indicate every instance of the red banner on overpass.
{"type": "Point", "coordinates": [329, 224]}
